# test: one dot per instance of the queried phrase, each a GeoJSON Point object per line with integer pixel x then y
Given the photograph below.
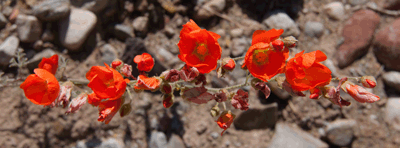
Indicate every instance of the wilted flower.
{"type": "Point", "coordinates": [225, 120]}
{"type": "Point", "coordinates": [240, 100]}
{"type": "Point", "coordinates": [77, 103]}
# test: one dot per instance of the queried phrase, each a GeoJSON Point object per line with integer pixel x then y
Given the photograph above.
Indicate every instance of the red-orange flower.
{"type": "Point", "coordinates": [199, 48]}
{"type": "Point", "coordinates": [107, 110]}
{"type": "Point", "coordinates": [304, 72]}
{"type": "Point", "coordinates": [225, 120]}
{"type": "Point", "coordinates": [41, 88]}
{"type": "Point", "coordinates": [144, 62]}
{"type": "Point", "coordinates": [49, 64]}
{"type": "Point", "coordinates": [262, 60]}
{"type": "Point", "coordinates": [106, 82]}
{"type": "Point", "coordinates": [146, 83]}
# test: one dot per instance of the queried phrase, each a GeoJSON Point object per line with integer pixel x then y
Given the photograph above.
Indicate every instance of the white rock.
{"type": "Point", "coordinates": [95, 5]}
{"type": "Point", "coordinates": [157, 140]}
{"type": "Point", "coordinates": [392, 112]}
{"type": "Point", "coordinates": [280, 20]}
{"type": "Point", "coordinates": [392, 79]}
{"type": "Point", "coordinates": [335, 10]}
{"type": "Point", "coordinates": [140, 23]}
{"type": "Point", "coordinates": [29, 28]}
{"type": "Point", "coordinates": [314, 29]}
{"type": "Point", "coordinates": [237, 32]}
{"type": "Point", "coordinates": [75, 29]}
{"type": "Point", "coordinates": [8, 50]}
{"type": "Point", "coordinates": [341, 132]}
{"type": "Point", "coordinates": [205, 11]}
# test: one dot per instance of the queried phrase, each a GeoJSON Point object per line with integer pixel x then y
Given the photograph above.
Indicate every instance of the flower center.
{"type": "Point", "coordinates": [201, 51]}
{"type": "Point", "coordinates": [260, 56]}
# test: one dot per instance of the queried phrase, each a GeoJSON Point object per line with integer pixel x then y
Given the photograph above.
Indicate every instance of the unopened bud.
{"type": "Point", "coordinates": [278, 44]}
{"type": "Point", "coordinates": [166, 88]}
{"type": "Point", "coordinates": [289, 42]}
{"type": "Point", "coordinates": [126, 70]}
{"type": "Point", "coordinates": [228, 64]}
{"type": "Point", "coordinates": [221, 96]}
{"type": "Point", "coordinates": [77, 103]}
{"type": "Point", "coordinates": [168, 100]}
{"type": "Point", "coordinates": [315, 93]}
{"type": "Point", "coordinates": [117, 64]}
{"type": "Point", "coordinates": [171, 75]}
{"type": "Point", "coordinates": [368, 81]}
{"type": "Point", "coordinates": [65, 95]}
{"type": "Point", "coordinates": [214, 111]}
{"type": "Point", "coordinates": [125, 109]}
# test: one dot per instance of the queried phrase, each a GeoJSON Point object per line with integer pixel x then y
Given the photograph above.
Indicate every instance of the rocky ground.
{"type": "Point", "coordinates": [358, 36]}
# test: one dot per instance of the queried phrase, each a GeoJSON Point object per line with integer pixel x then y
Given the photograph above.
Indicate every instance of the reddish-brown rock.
{"type": "Point", "coordinates": [387, 46]}
{"type": "Point", "coordinates": [357, 32]}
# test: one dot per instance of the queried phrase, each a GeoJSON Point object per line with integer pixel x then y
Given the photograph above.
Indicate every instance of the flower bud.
{"type": "Point", "coordinates": [214, 111]}
{"type": "Point", "coordinates": [368, 81]}
{"type": "Point", "coordinates": [77, 103]}
{"type": "Point", "coordinates": [228, 64]}
{"type": "Point", "coordinates": [166, 88]}
{"type": "Point", "coordinates": [289, 42]}
{"type": "Point", "coordinates": [126, 70]}
{"type": "Point", "coordinates": [240, 100]}
{"type": "Point", "coordinates": [221, 96]}
{"type": "Point", "coordinates": [225, 120]}
{"type": "Point", "coordinates": [168, 100]}
{"type": "Point", "coordinates": [125, 109]}
{"type": "Point", "coordinates": [315, 93]}
{"type": "Point", "coordinates": [189, 73]}
{"type": "Point", "coordinates": [263, 87]}
{"type": "Point", "coordinates": [201, 79]}
{"type": "Point", "coordinates": [360, 94]}
{"type": "Point", "coordinates": [65, 95]}
{"type": "Point", "coordinates": [278, 44]}
{"type": "Point", "coordinates": [171, 75]}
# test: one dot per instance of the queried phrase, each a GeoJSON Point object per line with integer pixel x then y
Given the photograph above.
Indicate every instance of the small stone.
{"type": "Point", "coordinates": [47, 36]}
{"type": "Point", "coordinates": [214, 135]}
{"type": "Point", "coordinates": [288, 137]}
{"type": "Point", "coordinates": [206, 11]}
{"type": "Point", "coordinates": [3, 21]}
{"type": "Point", "coordinates": [392, 79]}
{"type": "Point", "coordinates": [52, 10]}
{"type": "Point", "coordinates": [111, 143]}
{"type": "Point", "coordinates": [34, 62]}
{"type": "Point", "coordinates": [75, 29]}
{"type": "Point", "coordinates": [341, 132]}
{"type": "Point", "coordinates": [392, 112]}
{"type": "Point", "coordinates": [8, 49]}
{"type": "Point", "coordinates": [357, 32]}
{"type": "Point", "coordinates": [95, 6]}
{"type": "Point", "coordinates": [175, 142]}
{"type": "Point", "coordinates": [257, 118]}
{"type": "Point", "coordinates": [314, 29]}
{"type": "Point", "coordinates": [358, 2]}
{"type": "Point", "coordinates": [123, 32]}
{"type": "Point", "coordinates": [169, 31]}
{"type": "Point", "coordinates": [335, 10]}
{"type": "Point", "coordinates": [141, 23]}
{"type": "Point", "coordinates": [157, 140]}
{"type": "Point", "coordinates": [38, 45]}
{"type": "Point", "coordinates": [237, 32]}
{"type": "Point", "coordinates": [239, 46]}
{"type": "Point", "coordinates": [220, 32]}
{"type": "Point", "coordinates": [280, 20]}
{"type": "Point", "coordinates": [29, 28]}
{"type": "Point", "coordinates": [108, 53]}
{"type": "Point", "coordinates": [386, 45]}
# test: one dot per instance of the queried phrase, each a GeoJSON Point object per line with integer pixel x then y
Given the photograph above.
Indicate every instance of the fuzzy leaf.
{"type": "Point", "coordinates": [198, 95]}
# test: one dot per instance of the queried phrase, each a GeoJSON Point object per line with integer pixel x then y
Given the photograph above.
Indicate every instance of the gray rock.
{"type": "Point", "coordinates": [34, 62]}
{"type": "Point", "coordinates": [239, 46]}
{"type": "Point", "coordinates": [3, 21]}
{"type": "Point", "coordinates": [392, 112]}
{"type": "Point", "coordinates": [237, 32]}
{"type": "Point", "coordinates": [111, 143]}
{"type": "Point", "coordinates": [80, 144]}
{"type": "Point", "coordinates": [214, 135]}
{"type": "Point", "coordinates": [123, 32]}
{"type": "Point", "coordinates": [108, 53]}
{"type": "Point", "coordinates": [52, 10]}
{"type": "Point", "coordinates": [74, 30]}
{"type": "Point", "coordinates": [341, 132]}
{"type": "Point", "coordinates": [358, 2]}
{"type": "Point", "coordinates": [29, 28]}
{"type": "Point", "coordinates": [47, 36]}
{"type": "Point", "coordinates": [175, 142]}
{"type": "Point", "coordinates": [314, 29]}
{"type": "Point", "coordinates": [257, 118]}
{"type": "Point", "coordinates": [206, 11]}
{"type": "Point", "coordinates": [335, 10]}
{"type": "Point", "coordinates": [392, 79]}
{"type": "Point", "coordinates": [95, 5]}
{"type": "Point", "coordinates": [287, 137]}
{"type": "Point", "coordinates": [8, 50]}
{"type": "Point", "coordinates": [140, 23]}
{"type": "Point", "coordinates": [157, 140]}
{"type": "Point", "coordinates": [280, 20]}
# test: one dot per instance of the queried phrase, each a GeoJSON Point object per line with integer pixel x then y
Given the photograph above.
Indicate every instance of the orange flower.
{"type": "Point", "coordinates": [106, 82]}
{"type": "Point", "coordinates": [49, 64]}
{"type": "Point", "coordinates": [107, 110]}
{"type": "Point", "coordinates": [41, 88]}
{"type": "Point", "coordinates": [225, 120]}
{"type": "Point", "coordinates": [263, 60]}
{"type": "Point", "coordinates": [199, 48]}
{"type": "Point", "coordinates": [146, 83]}
{"type": "Point", "coordinates": [144, 62]}
{"type": "Point", "coordinates": [304, 72]}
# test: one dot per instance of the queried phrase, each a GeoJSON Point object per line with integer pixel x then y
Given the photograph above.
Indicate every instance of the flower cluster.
{"type": "Point", "coordinates": [267, 59]}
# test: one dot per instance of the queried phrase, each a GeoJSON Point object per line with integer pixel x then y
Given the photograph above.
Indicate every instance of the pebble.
{"type": "Point", "coordinates": [392, 79]}
{"type": "Point", "coordinates": [215, 135]}
{"type": "Point", "coordinates": [123, 32]}
{"type": "Point", "coordinates": [386, 45]}
{"type": "Point", "coordinates": [175, 142]}
{"type": "Point", "coordinates": [95, 5]}
{"type": "Point", "coordinates": [47, 35]}
{"type": "Point", "coordinates": [314, 29]}
{"type": "Point", "coordinates": [280, 20]}
{"type": "Point", "coordinates": [237, 32]}
{"type": "Point", "coordinates": [157, 140]}
{"type": "Point", "coordinates": [335, 10]}
{"type": "Point", "coordinates": [140, 23]}
{"type": "Point", "coordinates": [52, 10]}
{"type": "Point", "coordinates": [358, 2]}
{"type": "Point", "coordinates": [257, 118]}
{"type": "Point", "coordinates": [29, 28]}
{"type": "Point", "coordinates": [341, 132]}
{"type": "Point", "coordinates": [108, 53]}
{"type": "Point", "coordinates": [392, 112]}
{"type": "Point", "coordinates": [3, 21]}
{"type": "Point", "coordinates": [239, 46]}
{"type": "Point", "coordinates": [34, 62]}
{"type": "Point", "coordinates": [74, 30]}
{"type": "Point", "coordinates": [111, 143]}
{"type": "Point", "coordinates": [287, 137]}
{"type": "Point", "coordinates": [357, 33]}
{"type": "Point", "coordinates": [8, 50]}
{"type": "Point", "coordinates": [205, 11]}
{"type": "Point", "coordinates": [38, 45]}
